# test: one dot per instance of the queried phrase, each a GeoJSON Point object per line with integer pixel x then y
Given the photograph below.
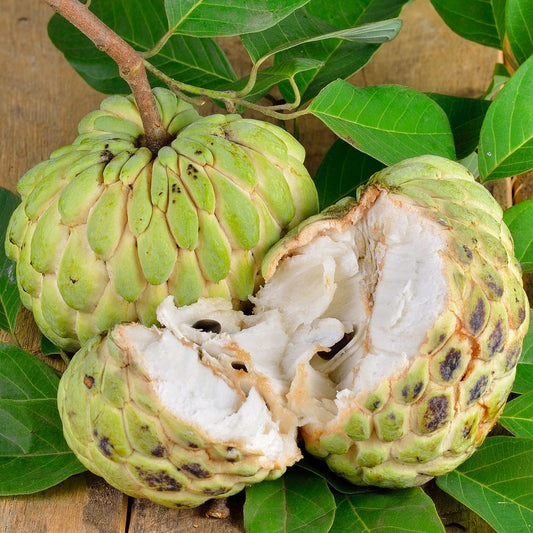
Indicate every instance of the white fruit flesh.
{"type": "Point", "coordinates": [379, 283]}
{"type": "Point", "coordinates": [197, 394]}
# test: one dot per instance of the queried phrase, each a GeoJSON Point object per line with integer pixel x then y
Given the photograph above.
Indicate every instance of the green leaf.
{"type": "Point", "coordinates": [466, 117]}
{"type": "Point", "coordinates": [496, 483]}
{"type": "Point", "coordinates": [301, 35]}
{"type": "Point", "coordinates": [271, 76]}
{"type": "Point", "coordinates": [388, 122]}
{"type": "Point", "coordinates": [298, 501]}
{"type": "Point", "coordinates": [208, 18]}
{"type": "Point", "coordinates": [9, 294]}
{"type": "Point", "coordinates": [500, 77]}
{"type": "Point", "coordinates": [481, 21]}
{"type": "Point", "coordinates": [518, 219]}
{"type": "Point", "coordinates": [141, 23]}
{"type": "Point", "coordinates": [33, 453]}
{"type": "Point", "coordinates": [506, 140]}
{"type": "Point", "coordinates": [517, 416]}
{"type": "Point", "coordinates": [48, 347]}
{"type": "Point", "coordinates": [395, 510]}
{"type": "Point", "coordinates": [343, 169]}
{"type": "Point", "coordinates": [518, 19]}
{"type": "Point", "coordinates": [523, 382]}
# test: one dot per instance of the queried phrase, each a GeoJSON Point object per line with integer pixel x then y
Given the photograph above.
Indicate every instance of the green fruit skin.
{"type": "Point", "coordinates": [428, 420]}
{"type": "Point", "coordinates": [113, 225]}
{"type": "Point", "coordinates": [116, 426]}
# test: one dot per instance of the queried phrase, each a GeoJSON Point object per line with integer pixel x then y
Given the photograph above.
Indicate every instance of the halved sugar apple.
{"type": "Point", "coordinates": [388, 330]}
{"type": "Point", "coordinates": [421, 280]}
{"type": "Point", "coordinates": [106, 229]}
{"type": "Point", "coordinates": [161, 418]}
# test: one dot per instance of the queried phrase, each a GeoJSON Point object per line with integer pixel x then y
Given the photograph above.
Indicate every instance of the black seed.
{"type": "Point", "coordinates": [391, 416]}
{"type": "Point", "coordinates": [474, 240]}
{"type": "Point", "coordinates": [336, 348]}
{"type": "Point", "coordinates": [466, 431]}
{"type": "Point", "coordinates": [190, 166]}
{"type": "Point", "coordinates": [405, 391]}
{"type": "Point", "coordinates": [88, 381]}
{"type": "Point", "coordinates": [196, 470]}
{"type": "Point", "coordinates": [173, 188]}
{"type": "Point", "coordinates": [158, 451]}
{"type": "Point", "coordinates": [130, 186]}
{"type": "Point", "coordinates": [106, 446]}
{"type": "Point", "coordinates": [478, 317]}
{"type": "Point", "coordinates": [376, 404]}
{"type": "Point", "coordinates": [496, 339]}
{"type": "Point", "coordinates": [478, 389]}
{"type": "Point", "coordinates": [198, 152]}
{"type": "Point", "coordinates": [436, 413]}
{"type": "Point", "coordinates": [239, 366]}
{"type": "Point", "coordinates": [160, 481]}
{"type": "Point", "coordinates": [208, 325]}
{"type": "Point", "coordinates": [73, 281]}
{"type": "Point", "coordinates": [521, 314]}
{"type": "Point", "coordinates": [193, 445]}
{"type": "Point", "coordinates": [468, 252]}
{"type": "Point", "coordinates": [442, 337]}
{"type": "Point", "coordinates": [450, 364]}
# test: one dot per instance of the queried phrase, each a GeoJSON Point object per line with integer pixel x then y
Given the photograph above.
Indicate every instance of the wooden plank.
{"type": "Point", "coordinates": [82, 504]}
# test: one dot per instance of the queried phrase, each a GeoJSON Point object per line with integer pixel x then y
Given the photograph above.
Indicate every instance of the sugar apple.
{"type": "Point", "coordinates": [387, 334]}
{"type": "Point", "coordinates": [106, 230]}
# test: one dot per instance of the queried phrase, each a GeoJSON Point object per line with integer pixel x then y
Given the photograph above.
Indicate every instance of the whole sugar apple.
{"type": "Point", "coordinates": [387, 333]}
{"type": "Point", "coordinates": [106, 229]}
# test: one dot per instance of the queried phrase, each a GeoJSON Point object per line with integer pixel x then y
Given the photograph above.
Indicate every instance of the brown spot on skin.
{"type": "Point", "coordinates": [478, 389]}
{"type": "Point", "coordinates": [494, 287]}
{"type": "Point", "coordinates": [196, 470]}
{"type": "Point", "coordinates": [436, 413]}
{"type": "Point", "coordinates": [521, 314]}
{"type": "Point", "coordinates": [158, 451]}
{"type": "Point", "coordinates": [208, 325]}
{"type": "Point", "coordinates": [496, 339]}
{"type": "Point", "coordinates": [105, 446]}
{"type": "Point", "coordinates": [512, 358]}
{"type": "Point", "coordinates": [477, 318]}
{"type": "Point", "coordinates": [336, 348]}
{"type": "Point", "coordinates": [106, 156]}
{"type": "Point", "coordinates": [88, 381]}
{"type": "Point", "coordinates": [216, 492]}
{"type": "Point", "coordinates": [160, 481]}
{"type": "Point", "coordinates": [450, 364]}
{"type": "Point", "coordinates": [417, 389]}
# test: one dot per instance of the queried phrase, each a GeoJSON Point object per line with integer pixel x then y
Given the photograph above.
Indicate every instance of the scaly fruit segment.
{"type": "Point", "coordinates": [105, 216]}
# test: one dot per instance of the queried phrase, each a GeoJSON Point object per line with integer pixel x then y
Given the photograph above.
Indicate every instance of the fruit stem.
{"type": "Point", "coordinates": [130, 65]}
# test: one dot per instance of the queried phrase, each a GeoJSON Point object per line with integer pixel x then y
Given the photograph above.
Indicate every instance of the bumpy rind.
{"type": "Point", "coordinates": [430, 418]}
{"type": "Point", "coordinates": [117, 427]}
{"type": "Point", "coordinates": [105, 230]}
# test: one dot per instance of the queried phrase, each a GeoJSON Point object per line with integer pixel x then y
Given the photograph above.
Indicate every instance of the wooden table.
{"type": "Point", "coordinates": [41, 103]}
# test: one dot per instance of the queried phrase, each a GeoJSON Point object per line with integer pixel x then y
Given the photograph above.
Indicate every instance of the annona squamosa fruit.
{"type": "Point", "coordinates": [387, 333]}
{"type": "Point", "coordinates": [106, 230]}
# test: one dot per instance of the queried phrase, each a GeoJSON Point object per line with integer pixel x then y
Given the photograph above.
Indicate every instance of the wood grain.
{"type": "Point", "coordinates": [42, 101]}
